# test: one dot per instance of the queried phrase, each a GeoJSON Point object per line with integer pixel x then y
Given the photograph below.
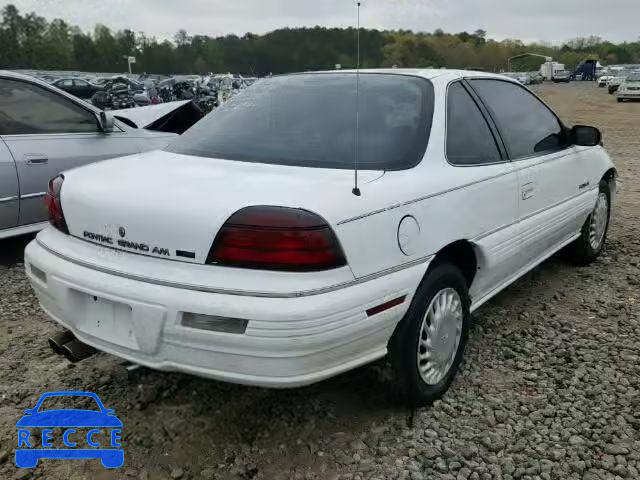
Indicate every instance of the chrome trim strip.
{"type": "Point", "coordinates": [557, 204]}
{"type": "Point", "coordinates": [533, 214]}
{"type": "Point", "coordinates": [495, 230]}
{"type": "Point", "coordinates": [9, 199]}
{"type": "Point", "coordinates": [470, 184]}
{"type": "Point", "coordinates": [33, 195]}
{"type": "Point", "coordinates": [527, 268]}
{"type": "Point", "coordinates": [21, 230]}
{"type": "Point", "coordinates": [244, 293]}
{"type": "Point", "coordinates": [425, 197]}
{"type": "Point", "coordinates": [550, 157]}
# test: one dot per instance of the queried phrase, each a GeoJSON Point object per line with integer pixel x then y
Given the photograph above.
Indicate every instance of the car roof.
{"type": "Point", "coordinates": [429, 73]}
{"type": "Point", "coordinates": [20, 76]}
{"type": "Point", "coordinates": [48, 86]}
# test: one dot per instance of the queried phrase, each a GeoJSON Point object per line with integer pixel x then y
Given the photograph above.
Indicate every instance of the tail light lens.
{"type": "Point", "coordinates": [277, 238]}
{"type": "Point", "coordinates": [52, 201]}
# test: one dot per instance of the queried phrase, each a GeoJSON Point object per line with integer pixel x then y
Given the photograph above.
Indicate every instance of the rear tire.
{"type": "Point", "coordinates": [428, 344]}
{"type": "Point", "coordinates": [593, 235]}
{"type": "Point", "coordinates": [620, 100]}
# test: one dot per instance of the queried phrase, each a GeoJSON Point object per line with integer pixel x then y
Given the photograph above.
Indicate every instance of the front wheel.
{"type": "Point", "coordinates": [428, 344]}
{"type": "Point", "coordinates": [593, 235]}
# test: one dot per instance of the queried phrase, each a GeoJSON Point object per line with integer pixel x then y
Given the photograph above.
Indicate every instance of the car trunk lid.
{"type": "Point", "coordinates": [172, 206]}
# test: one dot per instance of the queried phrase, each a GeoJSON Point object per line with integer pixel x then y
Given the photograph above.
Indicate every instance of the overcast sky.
{"type": "Point", "coordinates": [548, 20]}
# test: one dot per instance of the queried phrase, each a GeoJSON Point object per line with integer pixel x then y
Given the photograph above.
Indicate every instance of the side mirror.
{"type": "Point", "coordinates": [30, 410]}
{"type": "Point", "coordinates": [585, 136]}
{"type": "Point", "coordinates": [105, 122]}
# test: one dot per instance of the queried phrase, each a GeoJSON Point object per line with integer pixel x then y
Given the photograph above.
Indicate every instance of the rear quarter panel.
{"type": "Point", "coordinates": [449, 203]}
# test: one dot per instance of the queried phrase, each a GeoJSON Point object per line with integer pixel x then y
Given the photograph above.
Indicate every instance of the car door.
{"type": "Point", "coordinates": [67, 86]}
{"type": "Point", "coordinates": [81, 89]}
{"type": "Point", "coordinates": [546, 163]}
{"type": "Point", "coordinates": [489, 200]}
{"type": "Point", "coordinates": [9, 194]}
{"type": "Point", "coordinates": [47, 133]}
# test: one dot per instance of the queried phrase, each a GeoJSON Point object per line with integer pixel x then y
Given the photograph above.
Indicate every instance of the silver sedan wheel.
{"type": "Point", "coordinates": [598, 224]}
{"type": "Point", "coordinates": [440, 336]}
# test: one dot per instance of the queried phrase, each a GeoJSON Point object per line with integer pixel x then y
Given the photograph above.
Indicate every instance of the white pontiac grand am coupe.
{"type": "Point", "coordinates": [242, 253]}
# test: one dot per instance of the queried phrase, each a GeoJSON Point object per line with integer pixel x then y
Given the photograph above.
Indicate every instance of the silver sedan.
{"type": "Point", "coordinates": [44, 130]}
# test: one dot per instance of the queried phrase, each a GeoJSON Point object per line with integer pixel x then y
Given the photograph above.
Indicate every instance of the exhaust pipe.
{"type": "Point", "coordinates": [59, 339]}
{"type": "Point", "coordinates": [75, 350]}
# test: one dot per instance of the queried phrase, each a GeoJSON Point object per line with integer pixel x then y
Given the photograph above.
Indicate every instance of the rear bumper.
{"type": "Point", "coordinates": [288, 342]}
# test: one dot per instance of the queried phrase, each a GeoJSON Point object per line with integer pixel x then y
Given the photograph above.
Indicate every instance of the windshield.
{"type": "Point", "coordinates": [634, 77]}
{"type": "Point", "coordinates": [309, 120]}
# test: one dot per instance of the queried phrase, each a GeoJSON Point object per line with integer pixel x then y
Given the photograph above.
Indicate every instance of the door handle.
{"type": "Point", "coordinates": [36, 159]}
{"type": "Point", "coordinates": [527, 191]}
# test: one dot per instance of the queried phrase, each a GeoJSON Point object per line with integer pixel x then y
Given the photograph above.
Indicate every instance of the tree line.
{"type": "Point", "coordinates": [31, 42]}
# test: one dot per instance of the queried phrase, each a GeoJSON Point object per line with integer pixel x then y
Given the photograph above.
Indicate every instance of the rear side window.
{"type": "Point", "coordinates": [527, 126]}
{"type": "Point", "coordinates": [29, 109]}
{"type": "Point", "coordinates": [469, 139]}
{"type": "Point", "coordinates": [309, 120]}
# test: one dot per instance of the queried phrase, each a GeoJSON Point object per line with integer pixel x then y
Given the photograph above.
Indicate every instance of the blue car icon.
{"type": "Point", "coordinates": [69, 419]}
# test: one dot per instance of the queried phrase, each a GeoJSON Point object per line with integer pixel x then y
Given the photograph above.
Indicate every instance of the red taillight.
{"type": "Point", "coordinates": [52, 201]}
{"type": "Point", "coordinates": [276, 238]}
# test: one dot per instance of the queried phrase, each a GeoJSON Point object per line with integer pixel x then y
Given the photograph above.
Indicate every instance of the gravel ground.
{"type": "Point", "coordinates": [550, 388]}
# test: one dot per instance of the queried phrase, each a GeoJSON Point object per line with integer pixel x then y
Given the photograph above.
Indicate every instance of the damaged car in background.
{"type": "Point", "coordinates": [77, 87]}
{"type": "Point", "coordinates": [44, 130]}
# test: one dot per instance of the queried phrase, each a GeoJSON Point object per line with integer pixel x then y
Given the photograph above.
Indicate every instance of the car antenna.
{"type": "Point", "coordinates": [356, 190]}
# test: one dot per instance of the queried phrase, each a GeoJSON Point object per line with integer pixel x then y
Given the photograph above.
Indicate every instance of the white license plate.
{"type": "Point", "coordinates": [107, 320]}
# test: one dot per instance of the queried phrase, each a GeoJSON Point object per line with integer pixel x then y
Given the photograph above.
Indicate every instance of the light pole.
{"type": "Point", "coordinates": [130, 61]}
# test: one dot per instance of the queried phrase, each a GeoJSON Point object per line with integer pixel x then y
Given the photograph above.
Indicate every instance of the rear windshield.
{"type": "Point", "coordinates": [309, 120]}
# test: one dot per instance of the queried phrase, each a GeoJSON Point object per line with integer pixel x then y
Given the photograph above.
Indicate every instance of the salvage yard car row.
{"type": "Point", "coordinates": [44, 131]}
{"type": "Point", "coordinates": [113, 92]}
{"type": "Point", "coordinates": [250, 255]}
